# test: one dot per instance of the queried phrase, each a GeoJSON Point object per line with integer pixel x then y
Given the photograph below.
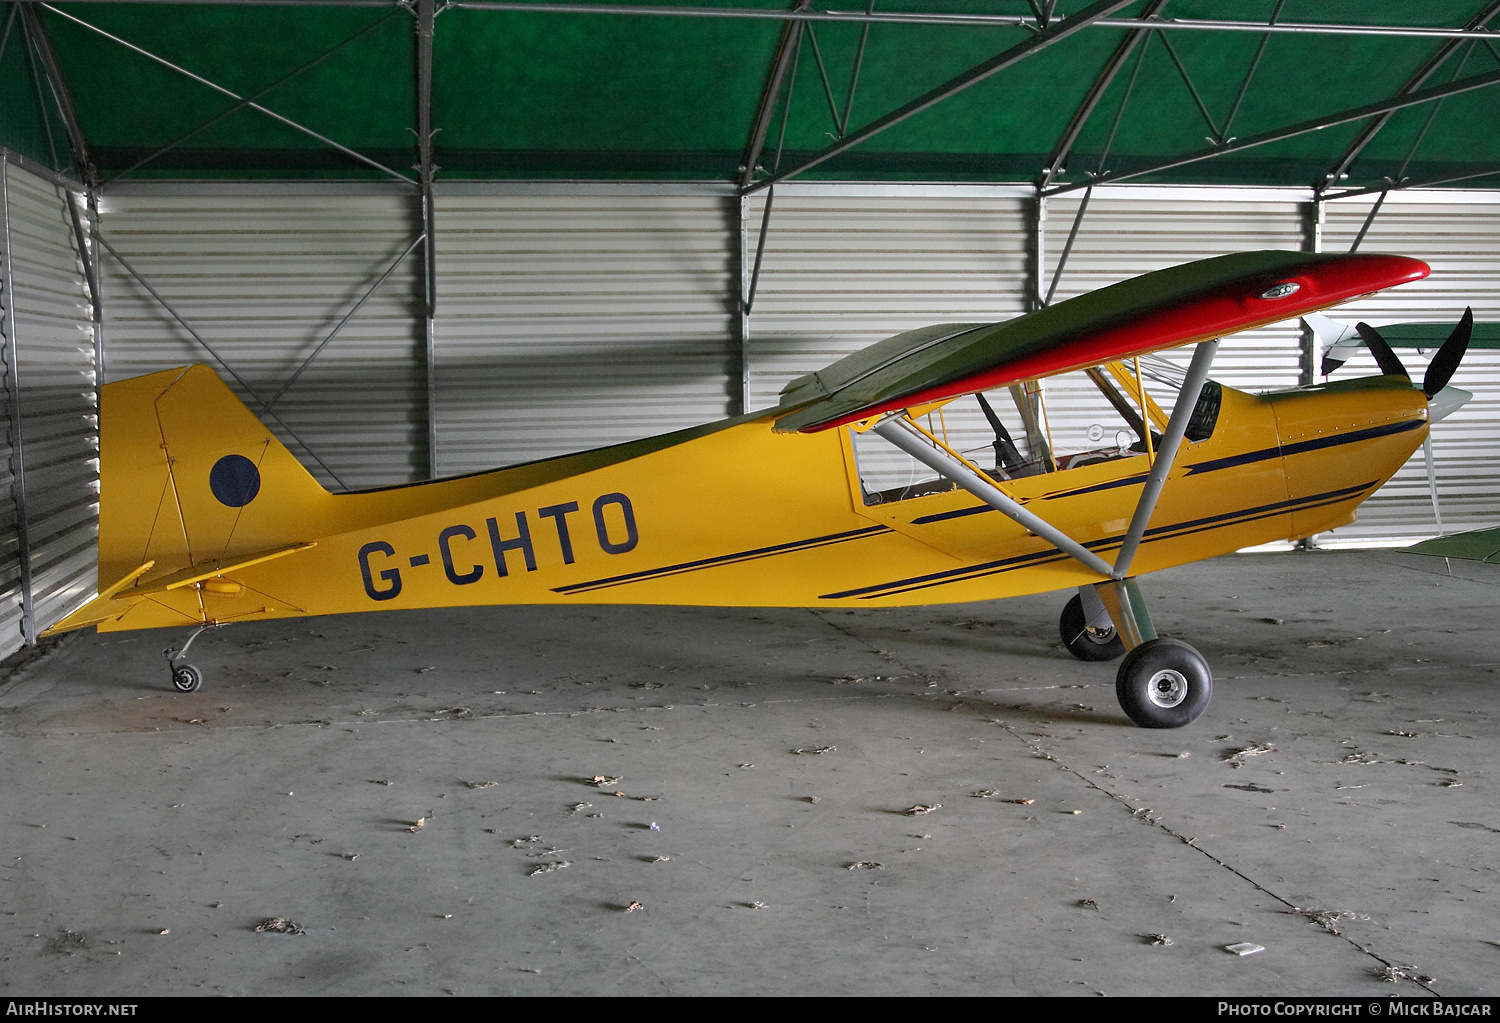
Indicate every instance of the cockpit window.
{"type": "Point", "coordinates": [1054, 425]}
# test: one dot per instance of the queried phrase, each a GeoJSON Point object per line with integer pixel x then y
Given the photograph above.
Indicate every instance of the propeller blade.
{"type": "Point", "coordinates": [1440, 369]}
{"type": "Point", "coordinates": [1384, 357]}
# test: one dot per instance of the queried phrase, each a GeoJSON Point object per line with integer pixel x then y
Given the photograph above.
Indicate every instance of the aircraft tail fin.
{"type": "Point", "coordinates": [191, 482]}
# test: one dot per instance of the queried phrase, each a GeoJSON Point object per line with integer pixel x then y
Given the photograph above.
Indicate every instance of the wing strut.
{"type": "Point", "coordinates": [901, 432]}
{"type": "Point", "coordinates": [1166, 454]}
{"type": "Point", "coordinates": [909, 437]}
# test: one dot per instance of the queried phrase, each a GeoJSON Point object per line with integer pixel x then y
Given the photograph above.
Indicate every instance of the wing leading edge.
{"type": "Point", "coordinates": [1180, 305]}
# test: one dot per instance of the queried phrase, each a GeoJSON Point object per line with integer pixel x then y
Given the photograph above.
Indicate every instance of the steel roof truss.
{"type": "Point", "coordinates": [1389, 186]}
{"type": "Point", "coordinates": [786, 54]}
{"type": "Point", "coordinates": [859, 59]}
{"type": "Point", "coordinates": [1096, 93]}
{"type": "Point", "coordinates": [246, 101]}
{"type": "Point", "coordinates": [1216, 136]}
{"type": "Point", "coordinates": [61, 95]}
{"type": "Point", "coordinates": [1292, 131]}
{"type": "Point", "coordinates": [833, 108]}
{"type": "Point", "coordinates": [1416, 81]}
{"type": "Point", "coordinates": [1250, 72]}
{"type": "Point", "coordinates": [1114, 128]}
{"type": "Point", "coordinates": [41, 97]}
{"type": "Point", "coordinates": [1431, 116]}
{"type": "Point", "coordinates": [975, 75]}
{"type": "Point", "coordinates": [353, 154]}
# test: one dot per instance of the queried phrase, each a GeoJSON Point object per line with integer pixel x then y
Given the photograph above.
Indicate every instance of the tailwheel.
{"type": "Point", "coordinates": [1164, 683]}
{"type": "Point", "coordinates": [186, 678]}
{"type": "Point", "coordinates": [1084, 641]}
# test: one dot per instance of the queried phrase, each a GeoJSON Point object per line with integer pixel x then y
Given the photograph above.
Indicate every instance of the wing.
{"type": "Point", "coordinates": [1479, 545]}
{"type": "Point", "coordinates": [1177, 306]}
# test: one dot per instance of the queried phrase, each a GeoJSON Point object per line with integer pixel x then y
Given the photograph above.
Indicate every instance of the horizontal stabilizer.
{"type": "Point", "coordinates": [115, 600]}
{"type": "Point", "coordinates": [1181, 305]}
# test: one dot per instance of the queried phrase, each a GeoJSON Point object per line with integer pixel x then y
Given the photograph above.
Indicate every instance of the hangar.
{"type": "Point", "coordinates": [427, 238]}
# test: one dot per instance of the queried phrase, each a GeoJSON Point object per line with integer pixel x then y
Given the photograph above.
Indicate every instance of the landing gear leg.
{"type": "Point", "coordinates": [1087, 630]}
{"type": "Point", "coordinates": [1162, 683]}
{"type": "Point", "coordinates": [185, 677]}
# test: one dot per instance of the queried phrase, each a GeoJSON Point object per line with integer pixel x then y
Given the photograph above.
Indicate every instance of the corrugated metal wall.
{"type": "Point", "coordinates": [1459, 236]}
{"type": "Point", "coordinates": [571, 316]}
{"type": "Point", "coordinates": [567, 321]}
{"type": "Point", "coordinates": [49, 332]}
{"type": "Point", "coordinates": [841, 271]}
{"type": "Point", "coordinates": [264, 277]}
{"type": "Point", "coordinates": [844, 268]}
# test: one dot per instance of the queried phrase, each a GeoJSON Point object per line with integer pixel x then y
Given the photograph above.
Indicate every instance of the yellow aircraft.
{"type": "Point", "coordinates": [206, 519]}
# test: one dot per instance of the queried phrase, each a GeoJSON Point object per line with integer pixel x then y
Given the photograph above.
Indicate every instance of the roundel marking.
{"type": "Point", "coordinates": [235, 481]}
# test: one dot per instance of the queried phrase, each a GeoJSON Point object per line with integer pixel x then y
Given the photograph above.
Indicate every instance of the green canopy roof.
{"type": "Point", "coordinates": [540, 93]}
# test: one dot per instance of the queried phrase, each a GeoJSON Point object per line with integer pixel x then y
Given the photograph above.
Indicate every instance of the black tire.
{"type": "Point", "coordinates": [1084, 643]}
{"type": "Point", "coordinates": [186, 678]}
{"type": "Point", "coordinates": [1164, 683]}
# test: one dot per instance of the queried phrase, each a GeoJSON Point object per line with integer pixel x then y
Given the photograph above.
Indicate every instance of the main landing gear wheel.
{"type": "Point", "coordinates": [1085, 643]}
{"type": "Point", "coordinates": [1164, 683]}
{"type": "Point", "coordinates": [186, 678]}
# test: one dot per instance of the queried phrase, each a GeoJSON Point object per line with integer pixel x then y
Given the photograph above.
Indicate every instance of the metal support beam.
{"type": "Point", "coordinates": [250, 391]}
{"type": "Point", "coordinates": [268, 403]}
{"type": "Point", "coordinates": [63, 98]}
{"type": "Point", "coordinates": [786, 56]}
{"type": "Point", "coordinates": [1127, 611]}
{"type": "Point", "coordinates": [1314, 215]}
{"type": "Point", "coordinates": [426, 12]}
{"type": "Point", "coordinates": [1067, 251]}
{"type": "Point", "coordinates": [353, 154]}
{"type": "Point", "coordinates": [854, 17]}
{"type": "Point", "coordinates": [32, 61]}
{"type": "Point", "coordinates": [1182, 72]}
{"type": "Point", "coordinates": [1096, 93]}
{"type": "Point", "coordinates": [1364, 228]}
{"type": "Point", "coordinates": [1041, 40]}
{"type": "Point", "coordinates": [1355, 193]}
{"type": "Point", "coordinates": [1302, 128]}
{"type": "Point", "coordinates": [1250, 72]}
{"type": "Point", "coordinates": [849, 17]}
{"type": "Point", "coordinates": [859, 59]}
{"type": "Point", "coordinates": [908, 438]}
{"type": "Point", "coordinates": [742, 368]}
{"type": "Point", "coordinates": [10, 23]}
{"type": "Point", "coordinates": [257, 94]}
{"type": "Point", "coordinates": [13, 388]}
{"type": "Point", "coordinates": [1414, 83]}
{"type": "Point", "coordinates": [1036, 300]}
{"type": "Point", "coordinates": [1166, 454]}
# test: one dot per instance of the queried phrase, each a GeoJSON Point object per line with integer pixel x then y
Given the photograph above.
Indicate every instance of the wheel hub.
{"type": "Point", "coordinates": [1167, 688]}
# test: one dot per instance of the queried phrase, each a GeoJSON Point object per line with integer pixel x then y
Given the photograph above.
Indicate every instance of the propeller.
{"type": "Point", "coordinates": [1440, 369]}
{"type": "Point", "coordinates": [1441, 399]}
{"type": "Point", "coordinates": [1443, 365]}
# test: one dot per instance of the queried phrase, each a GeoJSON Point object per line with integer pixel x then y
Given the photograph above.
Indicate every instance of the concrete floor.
{"type": "Point", "coordinates": [764, 760]}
